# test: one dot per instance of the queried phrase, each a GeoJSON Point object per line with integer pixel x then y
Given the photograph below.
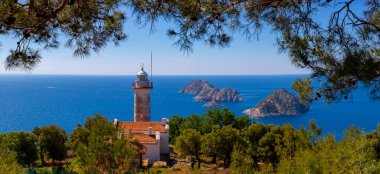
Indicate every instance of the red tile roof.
{"type": "Point", "coordinates": [144, 138]}
{"type": "Point", "coordinates": [142, 126]}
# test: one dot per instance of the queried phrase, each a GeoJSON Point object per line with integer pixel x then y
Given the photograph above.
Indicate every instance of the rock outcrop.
{"type": "Point", "coordinates": [279, 102]}
{"type": "Point", "coordinates": [196, 86]}
{"type": "Point", "coordinates": [206, 92]}
{"type": "Point", "coordinates": [228, 94]}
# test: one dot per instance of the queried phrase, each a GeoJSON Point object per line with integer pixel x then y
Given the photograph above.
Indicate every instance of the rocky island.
{"type": "Point", "coordinates": [279, 102]}
{"type": "Point", "coordinates": [206, 92]}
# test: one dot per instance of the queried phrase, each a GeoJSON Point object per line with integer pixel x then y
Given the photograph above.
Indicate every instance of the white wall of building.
{"type": "Point", "coordinates": [153, 153]}
{"type": "Point", "coordinates": [164, 142]}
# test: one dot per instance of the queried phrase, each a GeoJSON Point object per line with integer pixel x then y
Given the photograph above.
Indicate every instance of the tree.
{"type": "Point", "coordinates": [228, 138]}
{"type": "Point", "coordinates": [241, 122]}
{"type": "Point", "coordinates": [24, 144]}
{"type": "Point", "coordinates": [101, 148]}
{"type": "Point", "coordinates": [350, 155]}
{"type": "Point", "coordinates": [220, 117]}
{"type": "Point", "coordinates": [78, 136]}
{"type": "Point", "coordinates": [196, 122]}
{"type": "Point", "coordinates": [241, 161]}
{"type": "Point", "coordinates": [8, 162]}
{"type": "Point", "coordinates": [374, 136]}
{"type": "Point", "coordinates": [87, 26]}
{"type": "Point", "coordinates": [175, 124]}
{"type": "Point", "coordinates": [211, 142]}
{"type": "Point", "coordinates": [51, 141]}
{"type": "Point", "coordinates": [304, 90]}
{"type": "Point", "coordinates": [189, 143]}
{"type": "Point", "coordinates": [251, 137]}
{"type": "Point", "coordinates": [268, 144]}
{"type": "Point", "coordinates": [340, 52]}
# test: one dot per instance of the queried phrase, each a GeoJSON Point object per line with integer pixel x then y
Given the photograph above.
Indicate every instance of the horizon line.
{"type": "Point", "coordinates": [59, 74]}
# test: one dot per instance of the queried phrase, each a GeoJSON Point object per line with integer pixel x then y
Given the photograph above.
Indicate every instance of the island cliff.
{"type": "Point", "coordinates": [196, 86]}
{"type": "Point", "coordinates": [279, 102]}
{"type": "Point", "coordinates": [228, 94]}
{"type": "Point", "coordinates": [206, 92]}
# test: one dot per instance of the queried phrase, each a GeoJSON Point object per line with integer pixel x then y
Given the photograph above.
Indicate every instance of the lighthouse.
{"type": "Point", "coordinates": [142, 87]}
{"type": "Point", "coordinates": [152, 135]}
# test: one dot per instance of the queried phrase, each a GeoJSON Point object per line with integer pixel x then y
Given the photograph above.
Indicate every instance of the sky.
{"type": "Point", "coordinates": [243, 57]}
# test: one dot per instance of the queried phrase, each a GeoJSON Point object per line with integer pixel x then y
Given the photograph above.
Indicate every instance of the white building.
{"type": "Point", "coordinates": [154, 136]}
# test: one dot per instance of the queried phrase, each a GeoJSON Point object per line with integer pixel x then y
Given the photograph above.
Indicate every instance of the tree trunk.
{"type": "Point", "coordinates": [226, 163]}
{"type": "Point", "coordinates": [192, 164]}
{"type": "Point", "coordinates": [42, 158]}
{"type": "Point", "coordinates": [255, 161]}
{"type": "Point", "coordinates": [140, 160]}
{"type": "Point", "coordinates": [199, 162]}
{"type": "Point", "coordinates": [213, 160]}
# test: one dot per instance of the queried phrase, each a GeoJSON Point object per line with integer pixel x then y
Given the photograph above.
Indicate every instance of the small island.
{"type": "Point", "coordinates": [206, 92]}
{"type": "Point", "coordinates": [279, 102]}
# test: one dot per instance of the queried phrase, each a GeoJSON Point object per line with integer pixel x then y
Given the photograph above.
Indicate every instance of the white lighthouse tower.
{"type": "Point", "coordinates": [142, 87]}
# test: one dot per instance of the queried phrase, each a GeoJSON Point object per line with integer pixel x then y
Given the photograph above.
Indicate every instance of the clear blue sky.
{"type": "Point", "coordinates": [243, 57]}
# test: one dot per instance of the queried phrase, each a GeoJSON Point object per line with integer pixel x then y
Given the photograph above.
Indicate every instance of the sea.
{"type": "Point", "coordinates": [28, 101]}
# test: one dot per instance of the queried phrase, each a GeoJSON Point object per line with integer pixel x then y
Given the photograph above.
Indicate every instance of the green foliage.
{"type": "Point", "coordinates": [211, 142]}
{"type": "Point", "coordinates": [24, 144]}
{"type": "Point", "coordinates": [196, 122]}
{"type": "Point", "coordinates": [374, 136]}
{"type": "Point", "coordinates": [175, 128]}
{"type": "Point", "coordinates": [242, 163]}
{"type": "Point", "coordinates": [78, 136]}
{"type": "Point", "coordinates": [228, 137]}
{"type": "Point", "coordinates": [241, 122]}
{"type": "Point", "coordinates": [101, 148]}
{"type": "Point", "coordinates": [304, 90]}
{"type": "Point", "coordinates": [87, 25]}
{"type": "Point", "coordinates": [8, 161]}
{"type": "Point", "coordinates": [269, 145]}
{"type": "Point", "coordinates": [220, 117]}
{"type": "Point", "coordinates": [189, 143]}
{"type": "Point", "coordinates": [258, 147]}
{"type": "Point", "coordinates": [251, 137]}
{"type": "Point", "coordinates": [204, 124]}
{"type": "Point", "coordinates": [51, 141]}
{"type": "Point", "coordinates": [353, 154]}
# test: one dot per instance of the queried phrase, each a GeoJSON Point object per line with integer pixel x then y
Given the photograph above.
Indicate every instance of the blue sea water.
{"type": "Point", "coordinates": [27, 101]}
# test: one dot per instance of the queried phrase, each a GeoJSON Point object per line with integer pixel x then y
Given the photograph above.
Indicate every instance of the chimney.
{"type": "Point", "coordinates": [164, 121]}
{"type": "Point", "coordinates": [157, 136]}
{"type": "Point", "coordinates": [150, 131]}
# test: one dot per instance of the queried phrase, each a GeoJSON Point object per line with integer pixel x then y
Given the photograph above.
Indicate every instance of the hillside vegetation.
{"type": "Point", "coordinates": [214, 142]}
